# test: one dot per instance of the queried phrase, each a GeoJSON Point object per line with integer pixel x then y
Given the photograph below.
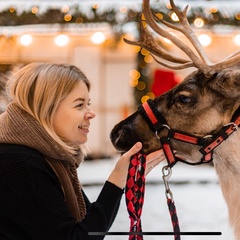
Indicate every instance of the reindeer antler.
{"type": "Point", "coordinates": [147, 41]}
{"type": "Point", "coordinates": [198, 59]}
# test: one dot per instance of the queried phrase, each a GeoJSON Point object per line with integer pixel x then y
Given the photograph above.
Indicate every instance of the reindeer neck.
{"type": "Point", "coordinates": [227, 165]}
{"type": "Point", "coordinates": [227, 156]}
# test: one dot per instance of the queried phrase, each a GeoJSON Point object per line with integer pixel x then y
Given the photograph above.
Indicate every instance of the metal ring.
{"type": "Point", "coordinates": [163, 125]}
{"type": "Point", "coordinates": [167, 172]}
{"type": "Point", "coordinates": [166, 126]}
{"type": "Point", "coordinates": [234, 125]}
{"type": "Point", "coordinates": [208, 136]}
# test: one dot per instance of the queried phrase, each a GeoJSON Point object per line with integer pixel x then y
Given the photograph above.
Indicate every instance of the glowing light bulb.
{"type": "Point", "coordinates": [26, 39]}
{"type": "Point", "coordinates": [205, 40]}
{"type": "Point", "coordinates": [199, 22]}
{"type": "Point", "coordinates": [98, 38]}
{"type": "Point", "coordinates": [61, 40]}
{"type": "Point", "coordinates": [237, 39]}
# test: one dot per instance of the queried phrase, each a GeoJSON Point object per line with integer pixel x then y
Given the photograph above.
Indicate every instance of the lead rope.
{"type": "Point", "coordinates": [167, 172]}
{"type": "Point", "coordinates": [134, 193]}
{"type": "Point", "coordinates": [134, 196]}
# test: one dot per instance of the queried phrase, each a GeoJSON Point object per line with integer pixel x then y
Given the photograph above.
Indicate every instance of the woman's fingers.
{"type": "Point", "coordinates": [153, 159]}
{"type": "Point", "coordinates": [133, 150]}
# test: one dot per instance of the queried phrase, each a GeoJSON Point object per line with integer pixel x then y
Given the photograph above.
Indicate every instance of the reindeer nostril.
{"type": "Point", "coordinates": [122, 138]}
{"type": "Point", "coordinates": [116, 137]}
{"type": "Point", "coordinates": [115, 133]}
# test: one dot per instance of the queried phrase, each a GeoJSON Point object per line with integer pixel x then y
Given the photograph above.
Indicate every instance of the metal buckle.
{"type": "Point", "coordinates": [167, 173]}
{"type": "Point", "coordinates": [234, 126]}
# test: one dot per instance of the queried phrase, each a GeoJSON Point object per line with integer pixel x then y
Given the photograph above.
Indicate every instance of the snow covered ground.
{"type": "Point", "coordinates": [197, 194]}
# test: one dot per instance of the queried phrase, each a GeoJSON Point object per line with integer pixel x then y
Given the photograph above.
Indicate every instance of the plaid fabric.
{"type": "Point", "coordinates": [134, 193]}
{"type": "Point", "coordinates": [174, 218]}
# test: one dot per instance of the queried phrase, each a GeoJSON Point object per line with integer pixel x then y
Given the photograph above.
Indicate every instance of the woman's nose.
{"type": "Point", "coordinates": [90, 114]}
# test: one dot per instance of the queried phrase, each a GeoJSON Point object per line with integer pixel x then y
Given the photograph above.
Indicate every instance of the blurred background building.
{"type": "Point", "coordinates": [89, 34]}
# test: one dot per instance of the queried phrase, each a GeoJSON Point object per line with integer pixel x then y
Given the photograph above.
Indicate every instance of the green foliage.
{"type": "Point", "coordinates": [11, 16]}
{"type": "Point", "coordinates": [143, 69]}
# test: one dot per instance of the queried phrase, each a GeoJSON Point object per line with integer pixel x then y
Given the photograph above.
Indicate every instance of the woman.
{"type": "Point", "coordinates": [42, 136]}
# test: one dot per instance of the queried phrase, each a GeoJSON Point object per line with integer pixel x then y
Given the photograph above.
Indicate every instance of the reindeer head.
{"type": "Point", "coordinates": [200, 105]}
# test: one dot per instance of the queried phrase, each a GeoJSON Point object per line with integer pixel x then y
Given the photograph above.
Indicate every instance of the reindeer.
{"type": "Point", "coordinates": [201, 106]}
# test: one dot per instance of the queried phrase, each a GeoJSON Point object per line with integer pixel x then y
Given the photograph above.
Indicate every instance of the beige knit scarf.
{"type": "Point", "coordinates": [19, 127]}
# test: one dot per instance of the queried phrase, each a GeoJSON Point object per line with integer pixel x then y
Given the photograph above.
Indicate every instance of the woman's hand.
{"type": "Point", "coordinates": [119, 173]}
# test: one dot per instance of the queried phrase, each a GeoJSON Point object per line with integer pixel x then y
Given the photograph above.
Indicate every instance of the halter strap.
{"type": "Point", "coordinates": [221, 136]}
{"type": "Point", "coordinates": [151, 115]}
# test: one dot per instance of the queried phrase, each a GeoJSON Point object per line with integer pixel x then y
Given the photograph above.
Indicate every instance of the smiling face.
{"type": "Point", "coordinates": [71, 120]}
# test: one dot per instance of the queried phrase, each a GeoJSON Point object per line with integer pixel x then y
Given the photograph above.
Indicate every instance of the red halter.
{"type": "Point", "coordinates": [157, 122]}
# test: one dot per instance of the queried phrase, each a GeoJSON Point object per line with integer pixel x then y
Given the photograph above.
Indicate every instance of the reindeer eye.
{"type": "Point", "coordinates": [184, 99]}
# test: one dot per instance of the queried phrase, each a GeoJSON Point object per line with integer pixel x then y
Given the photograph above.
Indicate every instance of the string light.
{"type": "Point", "coordinates": [144, 52]}
{"type": "Point", "coordinates": [123, 9]}
{"type": "Point", "coordinates": [198, 22]}
{"type": "Point", "coordinates": [174, 17]}
{"type": "Point", "coordinates": [26, 39]}
{"type": "Point", "coordinates": [12, 9]}
{"type": "Point", "coordinates": [65, 9]}
{"type": "Point", "coordinates": [237, 16]}
{"type": "Point", "coordinates": [61, 40]}
{"type": "Point", "coordinates": [205, 39]}
{"type": "Point", "coordinates": [98, 38]}
{"type": "Point", "coordinates": [134, 76]}
{"type": "Point", "coordinates": [144, 98]}
{"type": "Point", "coordinates": [159, 15]}
{"type": "Point", "coordinates": [34, 10]}
{"type": "Point", "coordinates": [67, 17]}
{"type": "Point", "coordinates": [151, 95]}
{"type": "Point", "coordinates": [79, 20]}
{"type": "Point", "coordinates": [96, 5]}
{"type": "Point", "coordinates": [148, 58]}
{"type": "Point", "coordinates": [237, 39]}
{"type": "Point", "coordinates": [213, 9]}
{"type": "Point", "coordinates": [141, 85]}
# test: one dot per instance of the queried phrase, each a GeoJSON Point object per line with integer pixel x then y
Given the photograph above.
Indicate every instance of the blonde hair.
{"type": "Point", "coordinates": [38, 88]}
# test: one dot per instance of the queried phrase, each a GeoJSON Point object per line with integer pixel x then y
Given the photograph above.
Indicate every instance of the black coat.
{"type": "Point", "coordinates": [32, 205]}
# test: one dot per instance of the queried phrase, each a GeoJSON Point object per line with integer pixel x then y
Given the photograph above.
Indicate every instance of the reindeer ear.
{"type": "Point", "coordinates": [227, 83]}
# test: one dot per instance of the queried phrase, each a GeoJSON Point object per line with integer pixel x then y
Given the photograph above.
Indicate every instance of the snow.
{"type": "Point", "coordinates": [197, 195]}
{"type": "Point", "coordinates": [97, 171]}
{"type": "Point", "coordinates": [86, 5]}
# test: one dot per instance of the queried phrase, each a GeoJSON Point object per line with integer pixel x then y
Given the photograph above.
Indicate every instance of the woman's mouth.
{"type": "Point", "coordinates": [84, 127]}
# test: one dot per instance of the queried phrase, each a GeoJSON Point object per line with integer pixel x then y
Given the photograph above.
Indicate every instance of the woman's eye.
{"type": "Point", "coordinates": [80, 105]}
{"type": "Point", "coordinates": [184, 99]}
